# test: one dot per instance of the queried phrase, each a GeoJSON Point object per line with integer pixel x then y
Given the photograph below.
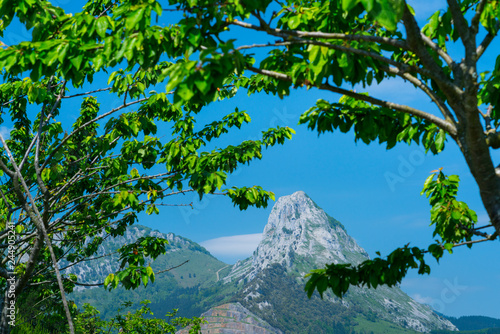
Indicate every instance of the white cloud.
{"type": "Point", "coordinates": [422, 299]}
{"type": "Point", "coordinates": [234, 246]}
{"type": "Point", "coordinates": [5, 132]}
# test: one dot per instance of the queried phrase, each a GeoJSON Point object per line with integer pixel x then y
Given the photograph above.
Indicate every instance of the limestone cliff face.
{"type": "Point", "coordinates": [298, 227]}
{"type": "Point", "coordinates": [300, 236]}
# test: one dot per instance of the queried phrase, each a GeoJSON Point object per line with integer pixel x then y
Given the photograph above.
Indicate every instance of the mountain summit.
{"type": "Point", "coordinates": [300, 236]}
{"type": "Point", "coordinates": [298, 227]}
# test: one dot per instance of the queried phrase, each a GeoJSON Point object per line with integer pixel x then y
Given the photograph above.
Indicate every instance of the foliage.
{"type": "Point", "coordinates": [189, 295]}
{"type": "Point", "coordinates": [467, 323]}
{"type": "Point", "coordinates": [341, 46]}
{"type": "Point", "coordinates": [74, 185]}
{"type": "Point", "coordinates": [88, 321]}
{"type": "Point", "coordinates": [68, 183]}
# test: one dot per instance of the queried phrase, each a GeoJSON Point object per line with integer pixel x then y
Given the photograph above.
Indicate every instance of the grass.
{"type": "Point", "coordinates": [379, 327]}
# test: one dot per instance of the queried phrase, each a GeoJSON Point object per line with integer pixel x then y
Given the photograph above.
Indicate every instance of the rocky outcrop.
{"type": "Point", "coordinates": [234, 319]}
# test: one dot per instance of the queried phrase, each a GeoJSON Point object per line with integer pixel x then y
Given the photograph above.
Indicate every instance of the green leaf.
{"type": "Point", "coordinates": [203, 86]}
{"type": "Point", "coordinates": [427, 182]}
{"type": "Point", "coordinates": [294, 22]}
{"type": "Point", "coordinates": [77, 61]}
{"type": "Point", "coordinates": [134, 18]}
{"type": "Point", "coordinates": [368, 4]}
{"type": "Point", "coordinates": [19, 228]}
{"type": "Point", "coordinates": [102, 26]}
{"type": "Point", "coordinates": [349, 4]}
{"type": "Point", "coordinates": [439, 142]}
{"type": "Point", "coordinates": [388, 12]}
{"type": "Point", "coordinates": [456, 215]}
{"type": "Point", "coordinates": [110, 278]}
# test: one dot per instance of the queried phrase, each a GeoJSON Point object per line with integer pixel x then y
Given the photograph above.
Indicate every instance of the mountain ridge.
{"type": "Point", "coordinates": [298, 237]}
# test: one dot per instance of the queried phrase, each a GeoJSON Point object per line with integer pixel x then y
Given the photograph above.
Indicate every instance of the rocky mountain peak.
{"type": "Point", "coordinates": [300, 236]}
{"type": "Point", "coordinates": [298, 228]}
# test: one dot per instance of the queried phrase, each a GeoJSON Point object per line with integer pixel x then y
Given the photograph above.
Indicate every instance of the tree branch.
{"type": "Point", "coordinates": [441, 123]}
{"type": "Point", "coordinates": [286, 35]}
{"type": "Point", "coordinates": [474, 22]}
{"type": "Point", "coordinates": [485, 43]}
{"type": "Point", "coordinates": [3, 167]}
{"type": "Point", "coordinates": [101, 284]}
{"type": "Point", "coordinates": [317, 34]}
{"type": "Point", "coordinates": [459, 21]}
{"type": "Point", "coordinates": [434, 97]}
{"type": "Point", "coordinates": [162, 271]}
{"type": "Point", "coordinates": [417, 45]}
{"type": "Point", "coordinates": [446, 57]}
{"type": "Point", "coordinates": [88, 93]}
{"type": "Point", "coordinates": [85, 125]}
{"type": "Point", "coordinates": [491, 237]}
{"type": "Point", "coordinates": [38, 221]}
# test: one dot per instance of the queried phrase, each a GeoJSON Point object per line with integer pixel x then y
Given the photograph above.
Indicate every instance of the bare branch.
{"type": "Point", "coordinates": [3, 167]}
{"type": "Point", "coordinates": [491, 237]}
{"type": "Point", "coordinates": [443, 124]}
{"type": "Point", "coordinates": [403, 67]}
{"type": "Point", "coordinates": [459, 21]}
{"type": "Point", "coordinates": [446, 57]}
{"type": "Point", "coordinates": [480, 228]}
{"type": "Point", "coordinates": [38, 221]}
{"type": "Point", "coordinates": [317, 34]}
{"type": "Point", "coordinates": [101, 284]}
{"type": "Point", "coordinates": [474, 23]}
{"type": "Point", "coordinates": [88, 93]}
{"type": "Point", "coordinates": [418, 46]}
{"type": "Point", "coordinates": [486, 42]}
{"type": "Point", "coordinates": [162, 271]}
{"type": "Point", "coordinates": [106, 10]}
{"type": "Point", "coordinates": [42, 124]}
{"type": "Point", "coordinates": [434, 97]}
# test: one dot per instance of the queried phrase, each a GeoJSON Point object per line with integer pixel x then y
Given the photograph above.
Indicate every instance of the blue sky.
{"type": "Point", "coordinates": [375, 193]}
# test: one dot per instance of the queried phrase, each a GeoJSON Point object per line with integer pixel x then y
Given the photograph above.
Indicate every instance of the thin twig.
{"type": "Point", "coordinates": [87, 93]}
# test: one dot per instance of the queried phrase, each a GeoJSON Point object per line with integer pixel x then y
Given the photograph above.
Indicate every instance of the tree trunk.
{"type": "Point", "coordinates": [478, 158]}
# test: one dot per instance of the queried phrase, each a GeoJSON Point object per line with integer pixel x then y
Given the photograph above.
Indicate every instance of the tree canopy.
{"type": "Point", "coordinates": [60, 188]}
{"type": "Point", "coordinates": [345, 46]}
{"type": "Point", "coordinates": [65, 188]}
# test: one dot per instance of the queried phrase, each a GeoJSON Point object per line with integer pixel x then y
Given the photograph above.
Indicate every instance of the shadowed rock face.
{"type": "Point", "coordinates": [233, 318]}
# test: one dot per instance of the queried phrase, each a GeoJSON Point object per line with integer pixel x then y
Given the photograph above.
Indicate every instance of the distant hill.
{"type": "Point", "coordinates": [267, 289]}
{"type": "Point", "coordinates": [179, 288]}
{"type": "Point", "coordinates": [473, 324]}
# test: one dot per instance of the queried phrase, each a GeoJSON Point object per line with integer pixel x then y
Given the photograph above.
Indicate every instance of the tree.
{"type": "Point", "coordinates": [336, 46]}
{"type": "Point", "coordinates": [90, 322]}
{"type": "Point", "coordinates": [65, 187]}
